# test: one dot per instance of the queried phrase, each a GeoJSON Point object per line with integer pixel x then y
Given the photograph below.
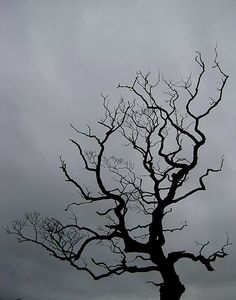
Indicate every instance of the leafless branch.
{"type": "Point", "coordinates": [166, 136]}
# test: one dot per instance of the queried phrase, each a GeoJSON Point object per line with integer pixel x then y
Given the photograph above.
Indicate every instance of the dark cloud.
{"type": "Point", "coordinates": [56, 57]}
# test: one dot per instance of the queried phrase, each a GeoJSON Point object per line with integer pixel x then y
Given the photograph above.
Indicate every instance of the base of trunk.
{"type": "Point", "coordinates": [171, 291]}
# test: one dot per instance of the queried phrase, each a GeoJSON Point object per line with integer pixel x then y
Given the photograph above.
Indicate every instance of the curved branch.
{"type": "Point", "coordinates": [206, 261]}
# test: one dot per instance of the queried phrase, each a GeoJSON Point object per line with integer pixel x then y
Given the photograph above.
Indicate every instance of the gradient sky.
{"type": "Point", "coordinates": [56, 57]}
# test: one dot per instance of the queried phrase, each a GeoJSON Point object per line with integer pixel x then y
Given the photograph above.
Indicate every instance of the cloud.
{"type": "Point", "coordinates": [56, 57]}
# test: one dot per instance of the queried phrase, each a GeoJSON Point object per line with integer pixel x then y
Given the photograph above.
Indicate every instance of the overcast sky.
{"type": "Point", "coordinates": [56, 57]}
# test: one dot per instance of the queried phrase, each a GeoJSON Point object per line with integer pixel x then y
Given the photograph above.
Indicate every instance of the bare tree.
{"type": "Point", "coordinates": [166, 137]}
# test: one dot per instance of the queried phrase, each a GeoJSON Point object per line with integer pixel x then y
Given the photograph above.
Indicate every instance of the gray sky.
{"type": "Point", "coordinates": [55, 59]}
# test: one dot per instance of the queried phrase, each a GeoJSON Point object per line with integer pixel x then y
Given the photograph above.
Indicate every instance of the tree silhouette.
{"type": "Point", "coordinates": [165, 136]}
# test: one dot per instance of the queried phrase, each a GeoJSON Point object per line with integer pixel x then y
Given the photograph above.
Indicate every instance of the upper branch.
{"type": "Point", "coordinates": [202, 186]}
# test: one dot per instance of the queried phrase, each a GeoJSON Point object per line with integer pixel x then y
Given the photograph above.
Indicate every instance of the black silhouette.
{"type": "Point", "coordinates": [166, 137]}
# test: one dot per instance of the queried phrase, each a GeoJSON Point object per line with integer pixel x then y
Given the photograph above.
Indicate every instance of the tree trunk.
{"type": "Point", "coordinates": [171, 291]}
{"type": "Point", "coordinates": [172, 288]}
